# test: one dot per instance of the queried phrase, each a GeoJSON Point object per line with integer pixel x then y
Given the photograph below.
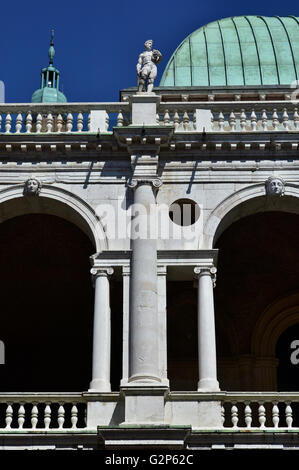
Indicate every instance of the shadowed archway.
{"type": "Point", "coordinates": [46, 304]}
{"type": "Point", "coordinates": [258, 263]}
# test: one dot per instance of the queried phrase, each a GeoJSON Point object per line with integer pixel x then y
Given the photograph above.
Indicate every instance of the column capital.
{"type": "Point", "coordinates": [204, 271]}
{"type": "Point", "coordinates": [156, 182]}
{"type": "Point", "coordinates": [101, 271]}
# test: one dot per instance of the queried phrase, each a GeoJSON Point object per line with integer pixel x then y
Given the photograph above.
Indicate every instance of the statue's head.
{"type": "Point", "coordinates": [274, 186]}
{"type": "Point", "coordinates": [148, 44]}
{"type": "Point", "coordinates": [32, 187]}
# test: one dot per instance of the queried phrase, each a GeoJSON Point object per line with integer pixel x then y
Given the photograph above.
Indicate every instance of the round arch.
{"type": "Point", "coordinates": [247, 201]}
{"type": "Point", "coordinates": [276, 319]}
{"type": "Point", "coordinates": [53, 200]}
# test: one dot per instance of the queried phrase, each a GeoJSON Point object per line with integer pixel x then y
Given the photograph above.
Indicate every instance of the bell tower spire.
{"type": "Point", "coordinates": [50, 77]}
{"type": "Point", "coordinates": [51, 49]}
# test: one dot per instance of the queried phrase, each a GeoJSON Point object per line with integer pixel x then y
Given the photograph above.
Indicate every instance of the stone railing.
{"type": "Point", "coordinates": [30, 118]}
{"type": "Point", "coordinates": [42, 412]}
{"type": "Point", "coordinates": [230, 117]}
{"type": "Point", "coordinates": [261, 410]}
{"type": "Point", "coordinates": [219, 117]}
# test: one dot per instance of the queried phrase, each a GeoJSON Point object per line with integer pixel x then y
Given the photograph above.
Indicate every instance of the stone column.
{"type": "Point", "coordinates": [206, 330]}
{"type": "Point", "coordinates": [126, 309]}
{"type": "Point", "coordinates": [162, 314]}
{"type": "Point", "coordinates": [144, 325]}
{"type": "Point", "coordinates": [101, 355]}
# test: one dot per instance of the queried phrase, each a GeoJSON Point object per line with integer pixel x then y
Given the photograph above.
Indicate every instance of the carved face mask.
{"type": "Point", "coordinates": [275, 187]}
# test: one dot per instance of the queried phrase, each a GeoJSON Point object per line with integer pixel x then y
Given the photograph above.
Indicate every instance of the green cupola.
{"type": "Point", "coordinates": [49, 89]}
{"type": "Point", "coordinates": [237, 51]}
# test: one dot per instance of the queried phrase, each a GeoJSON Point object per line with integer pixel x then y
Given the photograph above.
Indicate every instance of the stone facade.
{"type": "Point", "coordinates": [177, 299]}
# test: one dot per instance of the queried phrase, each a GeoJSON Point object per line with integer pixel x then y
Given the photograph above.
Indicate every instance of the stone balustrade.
{"type": "Point", "coordinates": [261, 410]}
{"type": "Point", "coordinates": [62, 118]}
{"type": "Point", "coordinates": [227, 117]}
{"type": "Point", "coordinates": [42, 412]}
{"type": "Point", "coordinates": [218, 117]}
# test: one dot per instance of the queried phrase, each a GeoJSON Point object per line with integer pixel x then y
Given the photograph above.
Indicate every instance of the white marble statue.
{"type": "Point", "coordinates": [274, 186]}
{"type": "Point", "coordinates": [32, 187]}
{"type": "Point", "coordinates": [146, 67]}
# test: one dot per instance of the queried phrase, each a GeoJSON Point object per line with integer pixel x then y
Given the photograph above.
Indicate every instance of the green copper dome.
{"type": "Point", "coordinates": [243, 50]}
{"type": "Point", "coordinates": [49, 90]}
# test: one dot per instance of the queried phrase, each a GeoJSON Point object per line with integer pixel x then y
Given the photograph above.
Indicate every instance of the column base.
{"type": "Point", "coordinates": [98, 385]}
{"type": "Point", "coordinates": [208, 385]}
{"type": "Point", "coordinates": [147, 379]}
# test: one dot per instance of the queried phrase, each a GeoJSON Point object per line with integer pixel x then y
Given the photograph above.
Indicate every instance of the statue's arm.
{"type": "Point", "coordinates": [139, 64]}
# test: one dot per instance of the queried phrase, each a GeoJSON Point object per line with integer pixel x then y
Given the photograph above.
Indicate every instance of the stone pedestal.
{"type": "Point", "coordinates": [144, 108]}
{"type": "Point", "coordinates": [144, 405]}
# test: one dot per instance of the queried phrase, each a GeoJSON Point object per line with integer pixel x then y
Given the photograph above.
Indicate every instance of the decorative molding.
{"type": "Point", "coordinates": [100, 272]}
{"type": "Point", "coordinates": [201, 271]}
{"type": "Point", "coordinates": [132, 183]}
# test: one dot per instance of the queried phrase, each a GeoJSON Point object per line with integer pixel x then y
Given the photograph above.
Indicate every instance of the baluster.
{"type": "Point", "coordinates": [296, 118]}
{"type": "Point", "coordinates": [176, 120]}
{"type": "Point", "coordinates": [8, 416]}
{"type": "Point", "coordinates": [262, 415]}
{"type": "Point", "coordinates": [19, 123]}
{"type": "Point", "coordinates": [157, 118]}
{"type": "Point", "coordinates": [85, 416]}
{"type": "Point", "coordinates": [185, 120]}
{"type": "Point", "coordinates": [289, 415]}
{"type": "Point", "coordinates": [221, 121]}
{"type": "Point", "coordinates": [107, 121]}
{"type": "Point", "coordinates": [285, 119]}
{"type": "Point", "coordinates": [264, 120]}
{"type": "Point", "coordinates": [0, 121]}
{"type": "Point", "coordinates": [59, 123]}
{"type": "Point", "coordinates": [248, 414]}
{"type": "Point", "coordinates": [232, 121]}
{"type": "Point", "coordinates": [61, 413]}
{"type": "Point", "coordinates": [253, 120]}
{"type": "Point", "coordinates": [49, 122]}
{"type": "Point", "coordinates": [39, 123]}
{"type": "Point", "coordinates": [166, 117]}
{"type": "Point", "coordinates": [29, 122]}
{"type": "Point", "coordinates": [222, 415]}
{"type": "Point", "coordinates": [243, 121]}
{"type": "Point", "coordinates": [275, 121]}
{"type": "Point", "coordinates": [120, 119]}
{"type": "Point", "coordinates": [69, 122]}
{"type": "Point", "coordinates": [80, 122]}
{"type": "Point", "coordinates": [8, 123]}
{"type": "Point", "coordinates": [74, 416]}
{"type": "Point", "coordinates": [275, 414]}
{"type": "Point", "coordinates": [47, 416]}
{"type": "Point", "coordinates": [235, 419]}
{"type": "Point", "coordinates": [21, 416]}
{"type": "Point", "coordinates": [88, 122]}
{"type": "Point", "coordinates": [34, 415]}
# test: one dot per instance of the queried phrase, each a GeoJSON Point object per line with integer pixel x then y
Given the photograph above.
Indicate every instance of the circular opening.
{"type": "Point", "coordinates": [184, 212]}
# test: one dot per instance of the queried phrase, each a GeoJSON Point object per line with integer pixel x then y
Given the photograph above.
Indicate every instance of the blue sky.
{"type": "Point", "coordinates": [97, 43]}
